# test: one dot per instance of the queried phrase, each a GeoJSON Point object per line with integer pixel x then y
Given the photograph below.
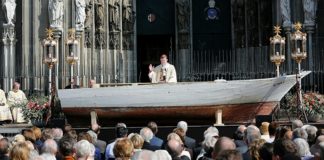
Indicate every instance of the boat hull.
{"type": "Point", "coordinates": [240, 100]}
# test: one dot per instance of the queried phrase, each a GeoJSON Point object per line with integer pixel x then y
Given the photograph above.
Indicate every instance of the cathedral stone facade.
{"type": "Point", "coordinates": [118, 39]}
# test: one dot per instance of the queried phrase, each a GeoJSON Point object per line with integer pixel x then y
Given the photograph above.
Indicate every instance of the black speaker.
{"type": "Point", "coordinates": [262, 118]}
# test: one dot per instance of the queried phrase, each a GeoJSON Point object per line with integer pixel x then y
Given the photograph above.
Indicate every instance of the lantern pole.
{"type": "Point", "coordinates": [299, 53]}
{"type": "Point", "coordinates": [49, 57]}
{"type": "Point", "coordinates": [72, 56]}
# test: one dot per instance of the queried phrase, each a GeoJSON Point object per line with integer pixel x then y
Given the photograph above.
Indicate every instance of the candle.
{"type": "Point", "coordinates": [277, 53]}
{"type": "Point", "coordinates": [298, 50]}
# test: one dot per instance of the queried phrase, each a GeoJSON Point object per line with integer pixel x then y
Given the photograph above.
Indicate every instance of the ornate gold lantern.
{"type": "Point", "coordinates": [298, 44]}
{"type": "Point", "coordinates": [277, 49]}
{"type": "Point", "coordinates": [49, 57]}
{"type": "Point", "coordinates": [72, 56]}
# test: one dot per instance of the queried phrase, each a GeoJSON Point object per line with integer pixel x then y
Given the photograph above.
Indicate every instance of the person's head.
{"type": "Point", "coordinates": [264, 128]}
{"type": "Point", "coordinates": [174, 148]}
{"type": "Point", "coordinates": [93, 135]}
{"type": "Point", "coordinates": [239, 133]}
{"type": "Point", "coordinates": [282, 147]}
{"type": "Point", "coordinates": [311, 131]}
{"type": "Point", "coordinates": [121, 132]}
{"type": "Point", "coordinates": [47, 156]}
{"type": "Point", "coordinates": [66, 146]}
{"type": "Point", "coordinates": [57, 133]}
{"type": "Point", "coordinates": [266, 151]}
{"type": "Point", "coordinates": [252, 133]}
{"type": "Point", "coordinates": [4, 146]}
{"type": "Point", "coordinates": [147, 134]}
{"type": "Point", "coordinates": [37, 132]}
{"type": "Point", "coordinates": [67, 128]}
{"type": "Point", "coordinates": [303, 147]}
{"type": "Point", "coordinates": [296, 124]}
{"type": "Point", "coordinates": [162, 155]}
{"type": "Point", "coordinates": [163, 59]}
{"type": "Point", "coordinates": [209, 142]}
{"type": "Point", "coordinates": [183, 125]}
{"type": "Point", "coordinates": [272, 128]}
{"type": "Point", "coordinates": [284, 132]}
{"type": "Point", "coordinates": [16, 86]}
{"type": "Point", "coordinates": [229, 155]}
{"type": "Point", "coordinates": [153, 126]}
{"type": "Point", "coordinates": [137, 141]}
{"type": "Point", "coordinates": [300, 133]}
{"type": "Point", "coordinates": [29, 135]}
{"type": "Point", "coordinates": [174, 136]}
{"type": "Point", "coordinates": [84, 136]}
{"type": "Point", "coordinates": [316, 146]}
{"type": "Point", "coordinates": [144, 155]}
{"type": "Point", "coordinates": [20, 151]}
{"type": "Point", "coordinates": [254, 148]}
{"type": "Point", "coordinates": [223, 143]}
{"type": "Point", "coordinates": [47, 134]}
{"type": "Point", "coordinates": [72, 134]}
{"type": "Point", "coordinates": [50, 146]}
{"type": "Point", "coordinates": [82, 149]}
{"type": "Point", "coordinates": [123, 149]}
{"type": "Point", "coordinates": [92, 82]}
{"type": "Point", "coordinates": [180, 132]}
{"type": "Point", "coordinates": [321, 145]}
{"type": "Point", "coordinates": [18, 138]}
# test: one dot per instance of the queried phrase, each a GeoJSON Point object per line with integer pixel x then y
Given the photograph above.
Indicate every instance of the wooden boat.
{"type": "Point", "coordinates": [240, 100]}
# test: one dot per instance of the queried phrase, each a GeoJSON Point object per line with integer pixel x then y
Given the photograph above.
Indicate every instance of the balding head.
{"type": "Point", "coordinates": [174, 148]}
{"type": "Point", "coordinates": [223, 143]}
{"type": "Point", "coordinates": [147, 134]}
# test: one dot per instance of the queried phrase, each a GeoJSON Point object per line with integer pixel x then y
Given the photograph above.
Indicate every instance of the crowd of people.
{"type": "Point", "coordinates": [269, 141]}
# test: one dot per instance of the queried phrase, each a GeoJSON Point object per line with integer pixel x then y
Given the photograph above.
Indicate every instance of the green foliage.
{"type": "Point", "coordinates": [36, 108]}
{"type": "Point", "coordinates": [313, 103]}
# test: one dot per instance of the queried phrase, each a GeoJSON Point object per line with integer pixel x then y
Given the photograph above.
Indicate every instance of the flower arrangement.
{"type": "Point", "coordinates": [36, 108]}
{"type": "Point", "coordinates": [313, 103]}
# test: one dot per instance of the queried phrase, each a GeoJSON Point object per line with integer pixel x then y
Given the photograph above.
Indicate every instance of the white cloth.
{"type": "Point", "coordinates": [17, 98]}
{"type": "Point", "coordinates": [9, 7]}
{"type": "Point", "coordinates": [5, 113]}
{"type": "Point", "coordinates": [167, 70]}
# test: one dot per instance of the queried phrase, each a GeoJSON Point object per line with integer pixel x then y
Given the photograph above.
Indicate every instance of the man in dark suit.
{"type": "Point", "coordinates": [189, 142]}
{"type": "Point", "coordinates": [147, 135]}
{"type": "Point", "coordinates": [155, 141]}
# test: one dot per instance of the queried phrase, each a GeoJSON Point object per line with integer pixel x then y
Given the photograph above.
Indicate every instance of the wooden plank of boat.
{"type": "Point", "coordinates": [182, 99]}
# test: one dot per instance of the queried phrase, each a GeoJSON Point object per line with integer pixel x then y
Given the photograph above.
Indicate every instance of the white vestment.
{"type": "Point", "coordinates": [5, 113]}
{"type": "Point", "coordinates": [163, 71]}
{"type": "Point", "coordinates": [17, 98]}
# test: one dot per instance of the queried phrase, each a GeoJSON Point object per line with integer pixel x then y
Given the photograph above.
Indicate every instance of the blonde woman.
{"type": "Point", "coordinates": [20, 151]}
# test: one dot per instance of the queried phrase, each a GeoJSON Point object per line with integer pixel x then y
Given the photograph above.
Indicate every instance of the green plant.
{"type": "Point", "coordinates": [36, 107]}
{"type": "Point", "coordinates": [313, 103]}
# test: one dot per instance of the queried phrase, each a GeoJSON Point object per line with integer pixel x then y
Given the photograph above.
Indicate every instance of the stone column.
{"type": "Point", "coordinates": [183, 42]}
{"type": "Point", "coordinates": [286, 24]}
{"type": "Point", "coordinates": [9, 56]}
{"type": "Point", "coordinates": [310, 8]}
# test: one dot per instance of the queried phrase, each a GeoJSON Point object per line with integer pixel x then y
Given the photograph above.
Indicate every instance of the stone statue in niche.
{"type": "Point", "coordinates": [55, 12]}
{"type": "Point", "coordinates": [310, 7]}
{"type": "Point", "coordinates": [100, 13]}
{"type": "Point", "coordinates": [285, 12]}
{"type": "Point", "coordinates": [89, 16]}
{"type": "Point", "coordinates": [80, 14]}
{"type": "Point", "coordinates": [114, 15]}
{"type": "Point", "coordinates": [114, 41]}
{"type": "Point", "coordinates": [127, 15]}
{"type": "Point", "coordinates": [9, 8]}
{"type": "Point", "coordinates": [183, 13]}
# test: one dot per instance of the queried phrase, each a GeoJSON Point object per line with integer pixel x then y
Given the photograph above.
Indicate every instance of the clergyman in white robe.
{"type": "Point", "coordinates": [163, 73]}
{"type": "Point", "coordinates": [5, 113]}
{"type": "Point", "coordinates": [16, 97]}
